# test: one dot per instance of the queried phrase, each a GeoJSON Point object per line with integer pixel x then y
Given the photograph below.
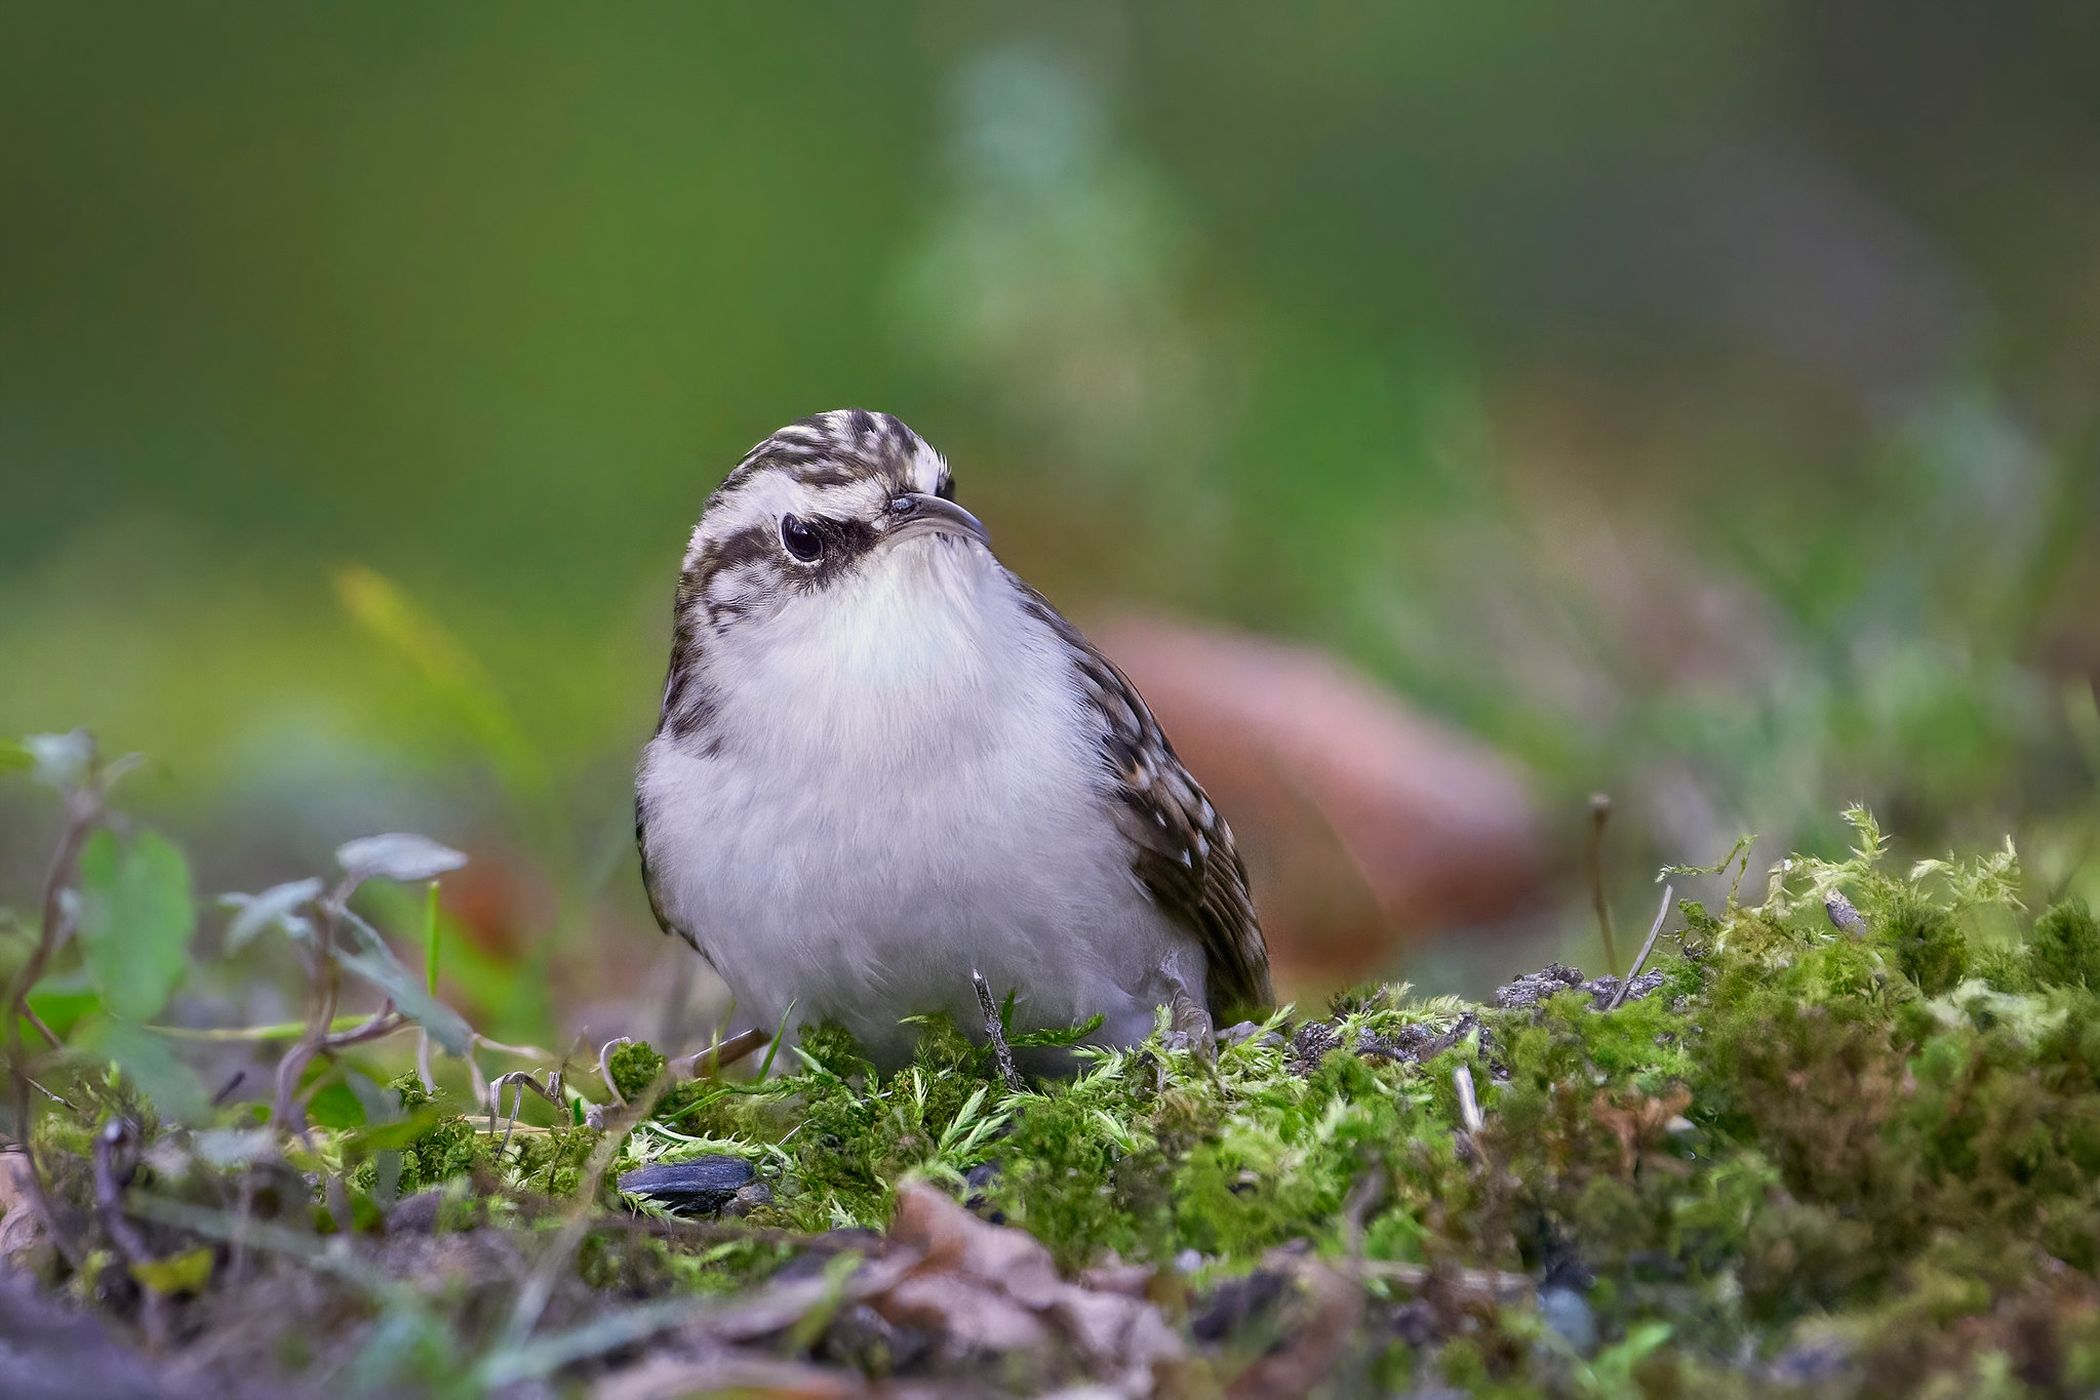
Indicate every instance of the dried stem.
{"type": "Point", "coordinates": [36, 1023]}
{"type": "Point", "coordinates": [995, 1033]}
{"type": "Point", "coordinates": [83, 813]}
{"type": "Point", "coordinates": [1490, 1283]}
{"type": "Point", "coordinates": [123, 1235]}
{"type": "Point", "coordinates": [740, 1046]}
{"type": "Point", "coordinates": [1654, 931]}
{"type": "Point", "coordinates": [325, 980]}
{"type": "Point", "coordinates": [1468, 1102]}
{"type": "Point", "coordinates": [1600, 816]}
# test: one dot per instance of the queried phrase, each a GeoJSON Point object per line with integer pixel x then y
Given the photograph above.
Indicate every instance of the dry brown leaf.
{"type": "Point", "coordinates": [21, 1228]}
{"type": "Point", "coordinates": [991, 1287]}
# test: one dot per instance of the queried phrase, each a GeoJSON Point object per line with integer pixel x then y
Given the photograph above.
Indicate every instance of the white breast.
{"type": "Point", "coordinates": [905, 786]}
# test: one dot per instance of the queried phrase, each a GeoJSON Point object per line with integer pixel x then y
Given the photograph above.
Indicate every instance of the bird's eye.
{"type": "Point", "coordinates": [801, 539]}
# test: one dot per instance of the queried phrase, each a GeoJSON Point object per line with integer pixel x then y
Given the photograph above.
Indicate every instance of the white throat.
{"type": "Point", "coordinates": [923, 652]}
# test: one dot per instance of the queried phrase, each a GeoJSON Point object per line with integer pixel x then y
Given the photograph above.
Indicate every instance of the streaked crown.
{"type": "Point", "coordinates": [803, 511]}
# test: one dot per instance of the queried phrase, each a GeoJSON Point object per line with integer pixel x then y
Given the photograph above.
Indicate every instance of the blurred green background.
{"type": "Point", "coordinates": [1692, 403]}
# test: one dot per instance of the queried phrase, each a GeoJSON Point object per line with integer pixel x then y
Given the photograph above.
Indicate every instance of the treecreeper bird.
{"type": "Point", "coordinates": [885, 763]}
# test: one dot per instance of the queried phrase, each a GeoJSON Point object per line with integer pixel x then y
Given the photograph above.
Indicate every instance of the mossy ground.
{"type": "Point", "coordinates": [1813, 1160]}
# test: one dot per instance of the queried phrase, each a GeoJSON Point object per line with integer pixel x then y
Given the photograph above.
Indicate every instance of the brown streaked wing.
{"type": "Point", "coordinates": [1181, 849]}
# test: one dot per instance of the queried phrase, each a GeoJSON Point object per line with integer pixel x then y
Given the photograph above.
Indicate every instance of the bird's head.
{"type": "Point", "coordinates": [843, 508]}
{"type": "Point", "coordinates": [816, 507]}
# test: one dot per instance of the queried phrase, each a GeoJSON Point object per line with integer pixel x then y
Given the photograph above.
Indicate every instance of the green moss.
{"type": "Point", "coordinates": [552, 1162]}
{"type": "Point", "coordinates": [2004, 968]}
{"type": "Point", "coordinates": [448, 1148]}
{"type": "Point", "coordinates": [1928, 945]}
{"type": "Point", "coordinates": [633, 1067]}
{"type": "Point", "coordinates": [2065, 948]}
{"type": "Point", "coordinates": [1863, 1159]}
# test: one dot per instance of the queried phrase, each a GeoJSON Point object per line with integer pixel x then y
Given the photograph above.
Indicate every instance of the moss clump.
{"type": "Point", "coordinates": [2005, 967]}
{"type": "Point", "coordinates": [633, 1068]}
{"type": "Point", "coordinates": [2065, 949]}
{"type": "Point", "coordinates": [448, 1148]}
{"type": "Point", "coordinates": [1929, 946]}
{"type": "Point", "coordinates": [552, 1162]}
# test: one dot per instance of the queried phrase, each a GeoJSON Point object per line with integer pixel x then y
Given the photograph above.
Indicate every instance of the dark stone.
{"type": "Point", "coordinates": [1412, 1044]}
{"type": "Point", "coordinates": [812, 1262]}
{"type": "Point", "coordinates": [1554, 978]}
{"type": "Point", "coordinates": [1237, 1301]}
{"type": "Point", "coordinates": [417, 1214]}
{"type": "Point", "coordinates": [1603, 989]}
{"type": "Point", "coordinates": [1534, 987]}
{"type": "Point", "coordinates": [702, 1186]}
{"type": "Point", "coordinates": [977, 1181]}
{"type": "Point", "coordinates": [1416, 1323]}
{"type": "Point", "coordinates": [1821, 1362]}
{"type": "Point", "coordinates": [1312, 1044]}
{"type": "Point", "coordinates": [749, 1198]}
{"type": "Point", "coordinates": [863, 1339]}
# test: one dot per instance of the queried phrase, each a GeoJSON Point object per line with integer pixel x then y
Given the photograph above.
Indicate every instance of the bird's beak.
{"type": "Point", "coordinates": [917, 513]}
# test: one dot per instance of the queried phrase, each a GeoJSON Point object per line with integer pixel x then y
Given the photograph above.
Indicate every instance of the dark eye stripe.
{"type": "Point", "coordinates": [748, 545]}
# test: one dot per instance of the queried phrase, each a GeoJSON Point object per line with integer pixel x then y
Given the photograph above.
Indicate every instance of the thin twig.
{"type": "Point", "coordinates": [995, 1032]}
{"type": "Point", "coordinates": [1366, 1196]}
{"type": "Point", "coordinates": [605, 1066]}
{"type": "Point", "coordinates": [423, 1061]}
{"type": "Point", "coordinates": [533, 1296]}
{"type": "Point", "coordinates": [109, 1209]}
{"type": "Point", "coordinates": [325, 981]}
{"type": "Point", "coordinates": [1600, 814]}
{"type": "Point", "coordinates": [521, 1080]}
{"type": "Point", "coordinates": [1493, 1283]}
{"type": "Point", "coordinates": [740, 1046]}
{"type": "Point", "coordinates": [1654, 931]}
{"type": "Point", "coordinates": [380, 1024]}
{"type": "Point", "coordinates": [736, 1232]}
{"type": "Point", "coordinates": [1468, 1105]}
{"type": "Point", "coordinates": [37, 1022]}
{"type": "Point", "coordinates": [83, 807]}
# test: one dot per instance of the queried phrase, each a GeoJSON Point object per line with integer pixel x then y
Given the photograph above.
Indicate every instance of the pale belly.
{"type": "Point", "coordinates": [862, 902]}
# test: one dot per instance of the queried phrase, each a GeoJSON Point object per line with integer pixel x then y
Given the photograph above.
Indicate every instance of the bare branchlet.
{"type": "Point", "coordinates": [995, 1033]}
{"type": "Point", "coordinates": [85, 808]}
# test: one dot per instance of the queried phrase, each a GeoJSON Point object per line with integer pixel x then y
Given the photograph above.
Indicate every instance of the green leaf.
{"type": "Point", "coordinates": [136, 917]}
{"type": "Point", "coordinates": [186, 1272]}
{"type": "Point", "coordinates": [149, 1060]}
{"type": "Point", "coordinates": [392, 1137]}
{"type": "Point", "coordinates": [335, 1105]}
{"type": "Point", "coordinates": [1060, 1036]}
{"type": "Point", "coordinates": [61, 1002]}
{"type": "Point", "coordinates": [361, 950]}
{"type": "Point", "coordinates": [15, 757]}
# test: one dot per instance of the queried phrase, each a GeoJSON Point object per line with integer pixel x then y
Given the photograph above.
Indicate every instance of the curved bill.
{"type": "Point", "coordinates": [917, 513]}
